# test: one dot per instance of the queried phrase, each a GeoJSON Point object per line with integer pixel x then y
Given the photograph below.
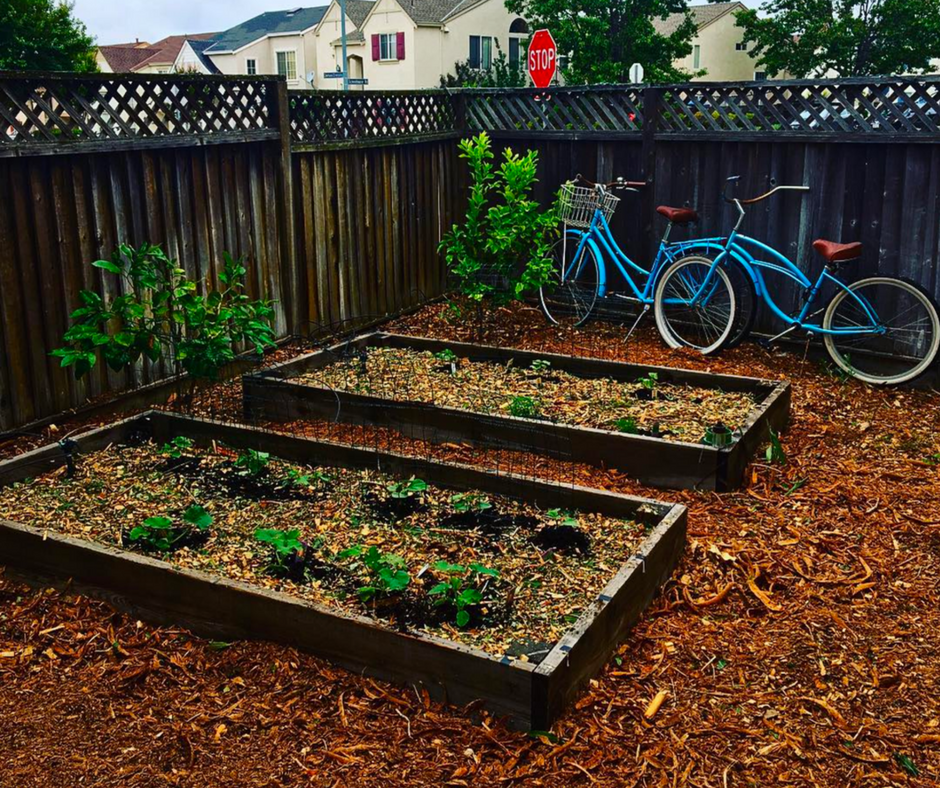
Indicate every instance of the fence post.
{"type": "Point", "coordinates": [280, 112]}
{"type": "Point", "coordinates": [651, 110]}
{"type": "Point", "coordinates": [459, 100]}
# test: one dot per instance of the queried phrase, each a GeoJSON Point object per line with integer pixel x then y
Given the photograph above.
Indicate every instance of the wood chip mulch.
{"type": "Point", "coordinates": [796, 645]}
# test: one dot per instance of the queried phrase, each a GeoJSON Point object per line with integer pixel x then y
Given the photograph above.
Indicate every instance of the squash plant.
{"type": "Point", "coordinates": [161, 315]}
{"type": "Point", "coordinates": [502, 250]}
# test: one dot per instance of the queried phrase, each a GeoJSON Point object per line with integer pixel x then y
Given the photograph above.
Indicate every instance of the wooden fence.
{"type": "Point", "coordinates": [338, 200]}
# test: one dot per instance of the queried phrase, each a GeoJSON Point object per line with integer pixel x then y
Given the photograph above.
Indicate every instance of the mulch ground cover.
{"type": "Point", "coordinates": [672, 412]}
{"type": "Point", "coordinates": [797, 643]}
{"type": "Point", "coordinates": [480, 570]}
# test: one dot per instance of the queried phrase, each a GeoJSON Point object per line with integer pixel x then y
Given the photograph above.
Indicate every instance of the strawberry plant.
{"type": "Point", "coordinates": [287, 548]}
{"type": "Point", "coordinates": [627, 425]}
{"type": "Point", "coordinates": [161, 316]}
{"type": "Point", "coordinates": [177, 448]}
{"type": "Point", "coordinates": [252, 463]}
{"type": "Point", "coordinates": [462, 589]}
{"type": "Point", "coordinates": [446, 355]}
{"type": "Point", "coordinates": [649, 381]}
{"type": "Point", "coordinates": [406, 489]}
{"type": "Point", "coordinates": [469, 502]}
{"type": "Point", "coordinates": [525, 407]}
{"type": "Point", "coordinates": [540, 366]}
{"type": "Point", "coordinates": [161, 534]}
{"type": "Point", "coordinates": [387, 575]}
{"type": "Point", "coordinates": [563, 517]}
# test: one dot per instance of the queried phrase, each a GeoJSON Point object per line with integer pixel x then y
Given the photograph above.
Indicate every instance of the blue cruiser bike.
{"type": "Point", "coordinates": [702, 316]}
{"type": "Point", "coordinates": [880, 329]}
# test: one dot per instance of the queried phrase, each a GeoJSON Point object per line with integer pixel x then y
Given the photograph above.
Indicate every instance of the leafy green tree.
{"type": "Point", "coordinates": [502, 74]}
{"type": "Point", "coordinates": [43, 35]}
{"type": "Point", "coordinates": [601, 39]}
{"type": "Point", "coordinates": [808, 38]}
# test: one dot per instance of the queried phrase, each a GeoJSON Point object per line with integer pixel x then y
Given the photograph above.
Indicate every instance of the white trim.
{"type": "Point", "coordinates": [265, 37]}
{"type": "Point", "coordinates": [394, 45]}
{"type": "Point", "coordinates": [297, 77]}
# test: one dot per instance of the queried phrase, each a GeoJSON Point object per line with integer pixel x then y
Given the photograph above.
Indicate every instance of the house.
{"type": "Point", "coordinates": [275, 42]}
{"type": "Point", "coordinates": [404, 44]}
{"type": "Point", "coordinates": [193, 58]}
{"type": "Point", "coordinates": [143, 58]}
{"type": "Point", "coordinates": [717, 47]}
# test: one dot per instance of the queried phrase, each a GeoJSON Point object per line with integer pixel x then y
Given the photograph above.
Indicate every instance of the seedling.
{"type": "Point", "coordinates": [464, 588]}
{"type": "Point", "coordinates": [524, 407]}
{"type": "Point", "coordinates": [287, 546]}
{"type": "Point", "coordinates": [469, 502]}
{"type": "Point", "coordinates": [406, 489]}
{"type": "Point", "coordinates": [775, 452]}
{"type": "Point", "coordinates": [446, 355]}
{"type": "Point", "coordinates": [297, 478]}
{"type": "Point", "coordinates": [564, 517]}
{"type": "Point", "coordinates": [541, 366]}
{"type": "Point", "coordinates": [649, 381]}
{"type": "Point", "coordinates": [252, 463]}
{"type": "Point", "coordinates": [177, 447]}
{"type": "Point", "coordinates": [387, 575]}
{"type": "Point", "coordinates": [627, 425]}
{"type": "Point", "coordinates": [160, 534]}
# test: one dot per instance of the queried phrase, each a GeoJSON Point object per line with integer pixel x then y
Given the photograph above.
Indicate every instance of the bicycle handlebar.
{"type": "Point", "coordinates": [752, 200]}
{"type": "Point", "coordinates": [620, 183]}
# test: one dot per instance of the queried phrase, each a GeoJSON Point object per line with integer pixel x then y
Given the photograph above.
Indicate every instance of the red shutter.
{"type": "Point", "coordinates": [400, 45]}
{"type": "Point", "coordinates": [375, 46]}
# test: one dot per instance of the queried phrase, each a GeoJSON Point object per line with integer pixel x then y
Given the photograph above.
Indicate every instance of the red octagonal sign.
{"type": "Point", "coordinates": [543, 58]}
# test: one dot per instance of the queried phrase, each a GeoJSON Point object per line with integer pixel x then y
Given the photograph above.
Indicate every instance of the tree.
{"type": "Point", "coordinates": [502, 74]}
{"type": "Point", "coordinates": [809, 38]}
{"type": "Point", "coordinates": [601, 39]}
{"type": "Point", "coordinates": [43, 35]}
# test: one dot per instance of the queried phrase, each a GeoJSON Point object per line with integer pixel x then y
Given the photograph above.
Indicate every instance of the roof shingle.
{"type": "Point", "coordinates": [289, 21]}
{"type": "Point", "coordinates": [701, 15]}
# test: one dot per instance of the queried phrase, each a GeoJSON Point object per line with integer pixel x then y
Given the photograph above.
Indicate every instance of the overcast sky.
{"type": "Point", "coordinates": [117, 21]}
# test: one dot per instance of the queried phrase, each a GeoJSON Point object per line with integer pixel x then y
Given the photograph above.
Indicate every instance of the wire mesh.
{"type": "Point", "coordinates": [577, 204]}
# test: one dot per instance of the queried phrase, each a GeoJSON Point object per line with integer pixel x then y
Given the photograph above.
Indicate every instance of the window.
{"type": "Point", "coordinates": [696, 56]}
{"type": "Point", "coordinates": [287, 64]}
{"type": "Point", "coordinates": [760, 76]}
{"type": "Point", "coordinates": [481, 52]}
{"type": "Point", "coordinates": [740, 47]}
{"type": "Point", "coordinates": [519, 26]}
{"type": "Point", "coordinates": [514, 52]}
{"type": "Point", "coordinates": [387, 47]}
{"type": "Point", "coordinates": [518, 33]}
{"type": "Point", "coordinates": [251, 66]}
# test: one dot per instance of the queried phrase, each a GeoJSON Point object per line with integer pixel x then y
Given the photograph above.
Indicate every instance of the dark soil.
{"type": "Point", "coordinates": [562, 539]}
{"type": "Point", "coordinates": [489, 522]}
{"type": "Point", "coordinates": [391, 510]}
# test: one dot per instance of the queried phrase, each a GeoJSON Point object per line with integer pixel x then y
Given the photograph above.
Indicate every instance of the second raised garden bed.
{"type": "Point", "coordinates": [365, 558]}
{"type": "Point", "coordinates": [667, 427]}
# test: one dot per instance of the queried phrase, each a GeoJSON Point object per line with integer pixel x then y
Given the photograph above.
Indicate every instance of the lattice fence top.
{"type": "Point", "coordinates": [889, 107]}
{"type": "Point", "coordinates": [58, 110]}
{"type": "Point", "coordinates": [333, 117]}
{"type": "Point", "coordinates": [560, 110]}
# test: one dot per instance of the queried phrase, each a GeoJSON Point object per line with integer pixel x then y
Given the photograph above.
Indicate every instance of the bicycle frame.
{"type": "Point", "coordinates": [600, 238]}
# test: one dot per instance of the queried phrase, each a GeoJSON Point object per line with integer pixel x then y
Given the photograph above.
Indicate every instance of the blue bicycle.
{"type": "Point", "coordinates": [880, 329]}
{"type": "Point", "coordinates": [703, 318]}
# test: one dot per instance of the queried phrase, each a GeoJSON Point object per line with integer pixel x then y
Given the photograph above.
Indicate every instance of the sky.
{"type": "Point", "coordinates": [119, 21]}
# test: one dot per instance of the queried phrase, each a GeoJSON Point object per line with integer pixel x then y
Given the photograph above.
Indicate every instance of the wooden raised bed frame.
{"type": "Point", "coordinates": [531, 696]}
{"type": "Point", "coordinates": [271, 395]}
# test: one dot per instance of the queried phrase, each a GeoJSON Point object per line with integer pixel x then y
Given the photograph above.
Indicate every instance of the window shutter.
{"type": "Point", "coordinates": [400, 45]}
{"type": "Point", "coordinates": [375, 46]}
{"type": "Point", "coordinates": [474, 51]}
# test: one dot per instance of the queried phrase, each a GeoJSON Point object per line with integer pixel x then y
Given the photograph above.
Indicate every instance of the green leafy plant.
{"type": "Point", "coordinates": [525, 407]}
{"type": "Point", "coordinates": [406, 489]}
{"type": "Point", "coordinates": [563, 517]}
{"type": "Point", "coordinates": [446, 355]}
{"type": "Point", "coordinates": [297, 478]}
{"type": "Point", "coordinates": [627, 425]}
{"type": "Point", "coordinates": [463, 588]}
{"type": "Point", "coordinates": [162, 534]}
{"type": "Point", "coordinates": [501, 251]}
{"type": "Point", "coordinates": [252, 462]}
{"type": "Point", "coordinates": [541, 366]}
{"type": "Point", "coordinates": [387, 574]}
{"type": "Point", "coordinates": [162, 316]}
{"type": "Point", "coordinates": [469, 502]}
{"type": "Point", "coordinates": [286, 545]}
{"type": "Point", "coordinates": [775, 452]}
{"type": "Point", "coordinates": [177, 448]}
{"type": "Point", "coordinates": [649, 381]}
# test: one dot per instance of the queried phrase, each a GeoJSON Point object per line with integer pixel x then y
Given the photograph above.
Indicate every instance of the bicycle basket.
{"type": "Point", "coordinates": [578, 203]}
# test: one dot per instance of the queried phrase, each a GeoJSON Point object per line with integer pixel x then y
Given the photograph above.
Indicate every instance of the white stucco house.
{"type": "Point", "coordinates": [394, 44]}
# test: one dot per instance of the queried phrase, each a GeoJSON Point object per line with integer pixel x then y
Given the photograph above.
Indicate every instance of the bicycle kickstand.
{"type": "Point", "coordinates": [766, 343]}
{"type": "Point", "coordinates": [646, 308]}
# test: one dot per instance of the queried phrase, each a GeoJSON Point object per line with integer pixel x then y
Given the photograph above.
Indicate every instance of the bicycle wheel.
{"type": "Point", "coordinates": [695, 305]}
{"type": "Point", "coordinates": [569, 297]}
{"type": "Point", "coordinates": [907, 334]}
{"type": "Point", "coordinates": [746, 303]}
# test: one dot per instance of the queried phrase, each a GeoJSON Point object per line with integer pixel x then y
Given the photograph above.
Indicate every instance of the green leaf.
{"type": "Point", "coordinates": [160, 523]}
{"type": "Point", "coordinates": [107, 265]}
{"type": "Point", "coordinates": [198, 516]}
{"type": "Point", "coordinates": [463, 618]}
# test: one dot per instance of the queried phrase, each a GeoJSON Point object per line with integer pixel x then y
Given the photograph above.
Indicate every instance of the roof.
{"type": "Point", "coordinates": [701, 15]}
{"type": "Point", "coordinates": [169, 48]}
{"type": "Point", "coordinates": [123, 58]}
{"type": "Point", "coordinates": [291, 20]}
{"type": "Point", "coordinates": [358, 10]}
{"type": "Point", "coordinates": [200, 47]}
{"type": "Point", "coordinates": [355, 37]}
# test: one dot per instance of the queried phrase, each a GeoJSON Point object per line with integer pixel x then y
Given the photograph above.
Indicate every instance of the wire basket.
{"type": "Point", "coordinates": [578, 203]}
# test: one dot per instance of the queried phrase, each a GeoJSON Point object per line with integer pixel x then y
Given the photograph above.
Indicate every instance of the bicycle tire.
{"type": "Point", "coordinates": [571, 303]}
{"type": "Point", "coordinates": [717, 337]}
{"type": "Point", "coordinates": [884, 355]}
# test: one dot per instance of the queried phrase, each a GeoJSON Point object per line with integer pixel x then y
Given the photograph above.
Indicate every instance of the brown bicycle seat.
{"type": "Point", "coordinates": [678, 215]}
{"type": "Point", "coordinates": [835, 252]}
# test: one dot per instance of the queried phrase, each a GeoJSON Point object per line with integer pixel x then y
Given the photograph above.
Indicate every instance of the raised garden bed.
{"type": "Point", "coordinates": [554, 575]}
{"type": "Point", "coordinates": [651, 422]}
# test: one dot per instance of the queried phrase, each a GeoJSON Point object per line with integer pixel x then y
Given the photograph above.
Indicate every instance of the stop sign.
{"type": "Point", "coordinates": [543, 58]}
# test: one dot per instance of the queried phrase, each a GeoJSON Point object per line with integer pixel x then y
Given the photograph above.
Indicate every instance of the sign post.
{"type": "Point", "coordinates": [636, 74]}
{"type": "Point", "coordinates": [543, 58]}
